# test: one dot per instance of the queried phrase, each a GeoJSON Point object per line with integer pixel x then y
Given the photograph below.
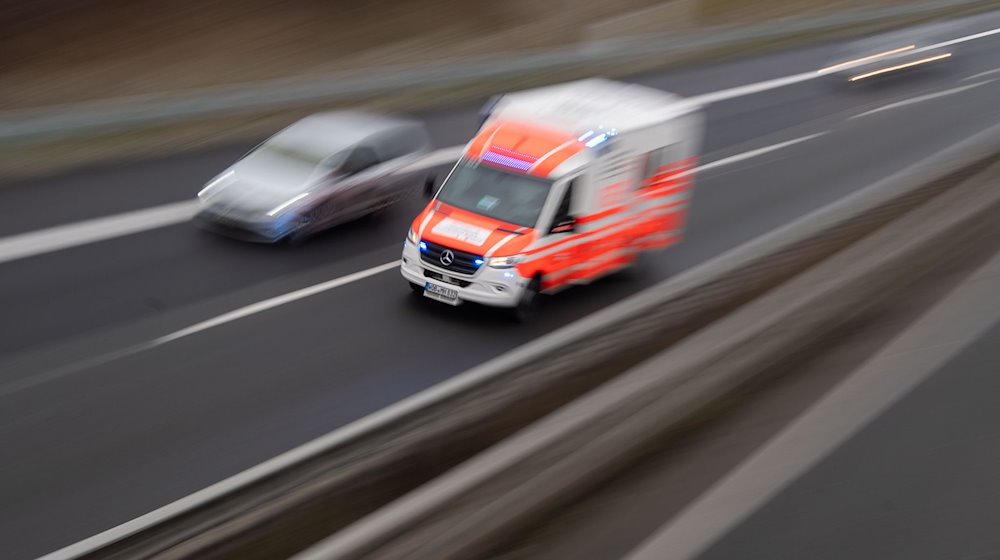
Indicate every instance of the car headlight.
{"type": "Point", "coordinates": [411, 236]}
{"type": "Point", "coordinates": [213, 185]}
{"type": "Point", "coordinates": [504, 262]}
{"type": "Point", "coordinates": [286, 204]}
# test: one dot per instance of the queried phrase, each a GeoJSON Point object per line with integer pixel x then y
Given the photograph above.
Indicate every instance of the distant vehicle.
{"type": "Point", "coordinates": [324, 170]}
{"type": "Point", "coordinates": [561, 186]}
{"type": "Point", "coordinates": [885, 55]}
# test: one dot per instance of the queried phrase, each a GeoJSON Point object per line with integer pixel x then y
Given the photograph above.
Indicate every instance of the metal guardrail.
{"type": "Point", "coordinates": [474, 508]}
{"type": "Point", "coordinates": [125, 113]}
{"type": "Point", "coordinates": [453, 421]}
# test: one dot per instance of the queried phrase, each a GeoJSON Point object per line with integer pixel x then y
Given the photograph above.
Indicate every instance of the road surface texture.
{"type": "Point", "coordinates": [97, 426]}
{"type": "Point", "coordinates": [883, 446]}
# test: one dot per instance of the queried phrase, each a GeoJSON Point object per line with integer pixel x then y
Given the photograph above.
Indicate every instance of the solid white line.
{"type": "Point", "coordinates": [921, 98]}
{"type": "Point", "coordinates": [751, 154]}
{"type": "Point", "coordinates": [90, 231]}
{"type": "Point", "coordinates": [981, 74]}
{"type": "Point", "coordinates": [948, 328]}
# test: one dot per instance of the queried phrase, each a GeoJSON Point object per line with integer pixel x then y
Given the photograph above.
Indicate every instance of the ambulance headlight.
{"type": "Point", "coordinates": [504, 262]}
{"type": "Point", "coordinates": [411, 236]}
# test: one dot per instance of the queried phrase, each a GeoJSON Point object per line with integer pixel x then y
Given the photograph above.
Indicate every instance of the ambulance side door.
{"type": "Point", "coordinates": [562, 261]}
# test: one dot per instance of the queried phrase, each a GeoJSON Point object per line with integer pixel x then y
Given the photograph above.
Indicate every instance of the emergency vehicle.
{"type": "Point", "coordinates": [562, 185]}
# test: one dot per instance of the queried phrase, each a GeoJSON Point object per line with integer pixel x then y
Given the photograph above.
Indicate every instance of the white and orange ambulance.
{"type": "Point", "coordinates": [562, 185]}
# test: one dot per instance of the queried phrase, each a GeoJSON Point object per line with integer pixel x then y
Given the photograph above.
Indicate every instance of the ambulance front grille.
{"type": "Point", "coordinates": [462, 262]}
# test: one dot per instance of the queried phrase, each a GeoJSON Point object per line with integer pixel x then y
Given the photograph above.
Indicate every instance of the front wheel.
{"type": "Point", "coordinates": [417, 289]}
{"type": "Point", "coordinates": [527, 307]}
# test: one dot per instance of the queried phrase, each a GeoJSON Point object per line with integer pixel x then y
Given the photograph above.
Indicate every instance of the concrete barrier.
{"type": "Point", "coordinates": [470, 510]}
{"type": "Point", "coordinates": [293, 500]}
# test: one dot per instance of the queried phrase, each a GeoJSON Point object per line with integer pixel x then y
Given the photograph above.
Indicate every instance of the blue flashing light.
{"type": "Point", "coordinates": [479, 262]}
{"type": "Point", "coordinates": [423, 247]}
{"type": "Point", "coordinates": [586, 135]}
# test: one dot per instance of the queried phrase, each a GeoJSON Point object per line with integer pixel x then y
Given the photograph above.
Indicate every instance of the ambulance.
{"type": "Point", "coordinates": [562, 185]}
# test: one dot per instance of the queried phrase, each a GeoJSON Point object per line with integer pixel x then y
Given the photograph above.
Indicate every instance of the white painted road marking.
{"type": "Point", "coordinates": [282, 299]}
{"type": "Point", "coordinates": [949, 327]}
{"type": "Point", "coordinates": [753, 153]}
{"type": "Point", "coordinates": [72, 235]}
{"type": "Point", "coordinates": [90, 231]}
{"type": "Point", "coordinates": [99, 229]}
{"type": "Point", "coordinates": [922, 98]}
{"type": "Point", "coordinates": [275, 301]}
{"type": "Point", "coordinates": [981, 74]}
{"type": "Point", "coordinates": [234, 315]}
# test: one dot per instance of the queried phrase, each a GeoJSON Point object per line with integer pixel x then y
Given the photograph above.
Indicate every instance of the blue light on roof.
{"type": "Point", "coordinates": [423, 246]}
{"type": "Point", "coordinates": [507, 161]}
{"type": "Point", "coordinates": [586, 135]}
{"type": "Point", "coordinates": [601, 138]}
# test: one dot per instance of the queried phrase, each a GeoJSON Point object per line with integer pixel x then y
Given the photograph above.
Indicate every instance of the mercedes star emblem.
{"type": "Point", "coordinates": [447, 257]}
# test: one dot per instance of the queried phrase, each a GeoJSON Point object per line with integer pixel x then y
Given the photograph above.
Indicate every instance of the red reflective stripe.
{"type": "Point", "coordinates": [601, 215]}
{"type": "Point", "coordinates": [579, 236]}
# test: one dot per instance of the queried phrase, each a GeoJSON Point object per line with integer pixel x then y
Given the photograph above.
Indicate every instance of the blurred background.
{"type": "Point", "coordinates": [844, 189]}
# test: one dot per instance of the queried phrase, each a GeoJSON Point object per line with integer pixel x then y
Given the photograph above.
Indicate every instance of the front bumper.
{"type": "Point", "coordinates": [488, 286]}
{"type": "Point", "coordinates": [245, 229]}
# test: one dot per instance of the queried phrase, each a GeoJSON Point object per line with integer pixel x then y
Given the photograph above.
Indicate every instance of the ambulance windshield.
{"type": "Point", "coordinates": [502, 195]}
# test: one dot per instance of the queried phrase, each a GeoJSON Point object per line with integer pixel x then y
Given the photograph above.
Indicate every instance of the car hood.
{"type": "Point", "coordinates": [256, 189]}
{"type": "Point", "coordinates": [472, 233]}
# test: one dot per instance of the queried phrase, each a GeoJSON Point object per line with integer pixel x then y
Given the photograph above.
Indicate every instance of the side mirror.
{"type": "Point", "coordinates": [566, 225]}
{"type": "Point", "coordinates": [429, 186]}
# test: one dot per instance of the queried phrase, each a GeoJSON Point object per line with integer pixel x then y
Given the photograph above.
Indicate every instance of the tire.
{"type": "Point", "coordinates": [417, 289]}
{"type": "Point", "coordinates": [527, 307]}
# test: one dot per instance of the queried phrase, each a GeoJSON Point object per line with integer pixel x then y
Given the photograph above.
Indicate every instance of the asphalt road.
{"type": "Point", "coordinates": [93, 433]}
{"type": "Point", "coordinates": [920, 482]}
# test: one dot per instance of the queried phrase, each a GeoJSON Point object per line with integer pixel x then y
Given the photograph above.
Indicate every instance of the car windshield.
{"type": "Point", "coordinates": [502, 195]}
{"type": "Point", "coordinates": [288, 166]}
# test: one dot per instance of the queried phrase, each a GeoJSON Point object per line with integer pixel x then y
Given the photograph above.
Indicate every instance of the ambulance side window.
{"type": "Point", "coordinates": [563, 221]}
{"type": "Point", "coordinates": [660, 158]}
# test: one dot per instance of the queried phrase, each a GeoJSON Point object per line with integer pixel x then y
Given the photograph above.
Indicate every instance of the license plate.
{"type": "Point", "coordinates": [442, 294]}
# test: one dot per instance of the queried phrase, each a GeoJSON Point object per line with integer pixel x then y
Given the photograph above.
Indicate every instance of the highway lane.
{"type": "Point", "coordinates": [114, 188]}
{"type": "Point", "coordinates": [191, 412]}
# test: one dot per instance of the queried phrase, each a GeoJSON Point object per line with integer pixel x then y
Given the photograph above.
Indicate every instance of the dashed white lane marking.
{"type": "Point", "coordinates": [981, 75]}
{"type": "Point", "coordinates": [755, 153]}
{"type": "Point", "coordinates": [276, 301]}
{"type": "Point", "coordinates": [234, 315]}
{"type": "Point", "coordinates": [922, 98]}
{"type": "Point", "coordinates": [282, 299]}
{"type": "Point", "coordinates": [72, 235]}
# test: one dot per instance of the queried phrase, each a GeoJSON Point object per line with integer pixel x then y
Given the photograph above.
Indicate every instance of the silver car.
{"type": "Point", "coordinates": [324, 170]}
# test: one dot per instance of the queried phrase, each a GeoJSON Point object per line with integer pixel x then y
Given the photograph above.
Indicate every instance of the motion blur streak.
{"type": "Point", "coordinates": [900, 67]}
{"type": "Point", "coordinates": [835, 67]}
